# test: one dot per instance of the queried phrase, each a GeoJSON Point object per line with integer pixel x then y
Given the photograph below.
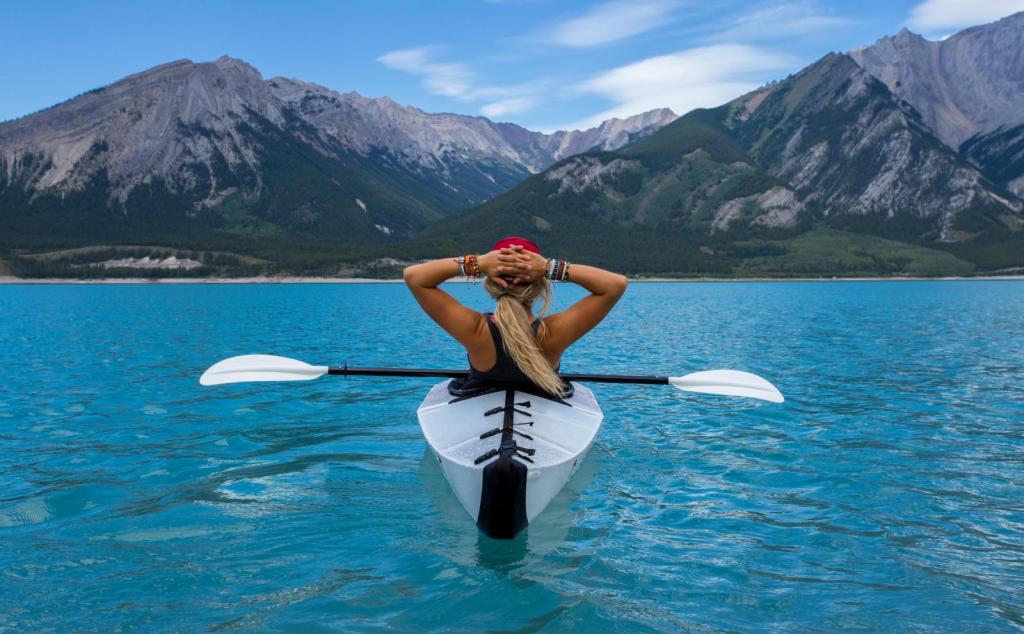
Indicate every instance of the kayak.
{"type": "Point", "coordinates": [506, 452]}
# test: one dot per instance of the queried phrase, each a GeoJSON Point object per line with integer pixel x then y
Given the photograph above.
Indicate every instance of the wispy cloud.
{"type": "Point", "coordinates": [610, 22]}
{"type": "Point", "coordinates": [703, 76]}
{"type": "Point", "coordinates": [932, 15]}
{"type": "Point", "coordinates": [694, 78]}
{"type": "Point", "coordinates": [450, 79]}
{"type": "Point", "coordinates": [777, 20]}
{"type": "Point", "coordinates": [505, 107]}
{"type": "Point", "coordinates": [456, 80]}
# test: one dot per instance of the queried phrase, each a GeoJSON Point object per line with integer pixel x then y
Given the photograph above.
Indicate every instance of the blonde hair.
{"type": "Point", "coordinates": [512, 317]}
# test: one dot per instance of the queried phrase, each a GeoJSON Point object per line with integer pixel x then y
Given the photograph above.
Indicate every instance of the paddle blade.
{"type": "Point", "coordinates": [728, 383]}
{"type": "Point", "coordinates": [260, 367]}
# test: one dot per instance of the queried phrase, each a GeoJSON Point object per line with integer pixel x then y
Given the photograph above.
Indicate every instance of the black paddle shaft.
{"type": "Point", "coordinates": [461, 374]}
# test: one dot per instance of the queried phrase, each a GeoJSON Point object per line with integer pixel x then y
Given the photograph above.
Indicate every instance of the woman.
{"type": "Point", "coordinates": [511, 345]}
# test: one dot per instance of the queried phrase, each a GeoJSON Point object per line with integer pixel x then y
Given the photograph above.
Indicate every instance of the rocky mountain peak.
{"type": "Point", "coordinates": [239, 67]}
{"type": "Point", "coordinates": [144, 124]}
{"type": "Point", "coordinates": [970, 83]}
{"type": "Point", "coordinates": [226, 61]}
{"type": "Point", "coordinates": [906, 35]}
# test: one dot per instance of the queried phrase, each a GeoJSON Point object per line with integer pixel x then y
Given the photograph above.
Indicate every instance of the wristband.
{"type": "Point", "coordinates": [472, 267]}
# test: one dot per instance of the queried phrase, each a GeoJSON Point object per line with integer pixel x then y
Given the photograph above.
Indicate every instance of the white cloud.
{"type": "Point", "coordinates": [957, 14]}
{"type": "Point", "coordinates": [450, 79]}
{"type": "Point", "coordinates": [694, 78]}
{"type": "Point", "coordinates": [506, 107]}
{"type": "Point", "coordinates": [456, 80]}
{"type": "Point", "coordinates": [609, 22]}
{"type": "Point", "coordinates": [778, 20]}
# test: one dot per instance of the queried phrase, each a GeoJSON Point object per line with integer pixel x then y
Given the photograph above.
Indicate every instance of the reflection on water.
{"type": "Point", "coordinates": [885, 494]}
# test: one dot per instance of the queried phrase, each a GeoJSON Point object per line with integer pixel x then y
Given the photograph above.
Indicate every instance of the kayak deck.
{"type": "Point", "coordinates": [499, 446]}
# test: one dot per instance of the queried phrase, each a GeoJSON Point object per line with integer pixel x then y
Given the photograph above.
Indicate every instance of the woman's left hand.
{"type": "Point", "coordinates": [498, 267]}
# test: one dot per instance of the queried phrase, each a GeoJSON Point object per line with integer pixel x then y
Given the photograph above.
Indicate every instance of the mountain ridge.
{"type": "Point", "coordinates": [198, 136]}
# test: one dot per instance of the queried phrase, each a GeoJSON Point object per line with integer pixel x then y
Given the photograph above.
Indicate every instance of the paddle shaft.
{"type": "Point", "coordinates": [461, 374]}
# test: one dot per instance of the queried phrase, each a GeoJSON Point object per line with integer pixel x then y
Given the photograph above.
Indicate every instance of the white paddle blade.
{"type": "Point", "coordinates": [260, 367]}
{"type": "Point", "coordinates": [728, 383]}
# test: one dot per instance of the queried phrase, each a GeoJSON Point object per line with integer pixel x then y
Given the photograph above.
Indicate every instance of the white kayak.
{"type": "Point", "coordinates": [506, 453]}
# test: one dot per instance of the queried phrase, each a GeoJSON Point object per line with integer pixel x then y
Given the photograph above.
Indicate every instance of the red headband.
{"type": "Point", "coordinates": [516, 241]}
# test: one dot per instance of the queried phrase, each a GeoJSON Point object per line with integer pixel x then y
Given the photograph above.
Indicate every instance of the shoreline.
{"type": "Point", "coordinates": [287, 279]}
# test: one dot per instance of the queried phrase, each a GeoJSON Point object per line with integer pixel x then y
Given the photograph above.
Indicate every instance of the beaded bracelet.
{"type": "Point", "coordinates": [557, 269]}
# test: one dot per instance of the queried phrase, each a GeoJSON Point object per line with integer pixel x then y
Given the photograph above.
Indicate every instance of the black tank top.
{"type": "Point", "coordinates": [504, 371]}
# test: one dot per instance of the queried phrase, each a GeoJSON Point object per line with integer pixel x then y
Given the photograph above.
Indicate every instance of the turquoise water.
{"type": "Point", "coordinates": [887, 493]}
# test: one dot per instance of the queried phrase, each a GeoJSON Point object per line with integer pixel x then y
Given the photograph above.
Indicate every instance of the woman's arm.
{"type": "Point", "coordinates": [566, 327]}
{"type": "Point", "coordinates": [460, 322]}
{"type": "Point", "coordinates": [572, 323]}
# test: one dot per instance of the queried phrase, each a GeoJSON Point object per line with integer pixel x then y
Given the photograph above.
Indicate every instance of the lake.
{"type": "Point", "coordinates": [887, 493]}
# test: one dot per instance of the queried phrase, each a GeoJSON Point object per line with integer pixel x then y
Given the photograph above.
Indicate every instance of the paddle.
{"type": "Point", "coordinates": [265, 367]}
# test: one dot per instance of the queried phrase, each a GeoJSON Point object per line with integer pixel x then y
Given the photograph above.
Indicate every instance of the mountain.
{"type": "Point", "coordinates": [860, 157]}
{"type": "Point", "coordinates": [969, 83]}
{"type": "Point", "coordinates": [828, 156]}
{"type": "Point", "coordinates": [211, 155]}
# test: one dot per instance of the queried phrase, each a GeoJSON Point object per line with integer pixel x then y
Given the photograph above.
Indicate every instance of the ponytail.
{"type": "Point", "coordinates": [512, 317]}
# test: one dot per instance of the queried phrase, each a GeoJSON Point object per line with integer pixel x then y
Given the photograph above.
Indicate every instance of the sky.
{"type": "Point", "coordinates": [543, 64]}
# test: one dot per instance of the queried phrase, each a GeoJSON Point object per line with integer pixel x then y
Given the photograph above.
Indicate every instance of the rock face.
{"type": "Point", "coordinates": [968, 88]}
{"type": "Point", "coordinates": [1000, 155]}
{"type": "Point", "coordinates": [970, 83]}
{"type": "Point", "coordinates": [182, 140]}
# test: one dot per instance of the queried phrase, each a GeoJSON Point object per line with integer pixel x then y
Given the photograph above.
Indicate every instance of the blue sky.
{"type": "Point", "coordinates": [540, 63]}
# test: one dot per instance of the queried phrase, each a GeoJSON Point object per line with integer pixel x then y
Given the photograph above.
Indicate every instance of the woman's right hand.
{"type": "Point", "coordinates": [519, 266]}
{"type": "Point", "coordinates": [531, 266]}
